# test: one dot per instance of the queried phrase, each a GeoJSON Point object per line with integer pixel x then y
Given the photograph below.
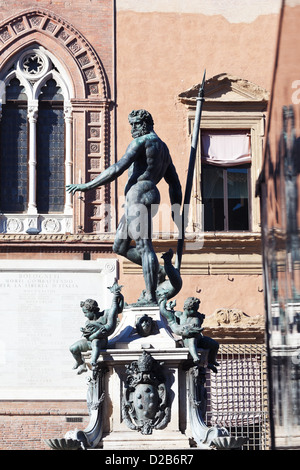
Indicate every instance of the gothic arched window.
{"type": "Point", "coordinates": [35, 145]}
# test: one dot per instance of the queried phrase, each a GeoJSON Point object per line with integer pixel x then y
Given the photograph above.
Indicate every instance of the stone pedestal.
{"type": "Point", "coordinates": [145, 392]}
{"type": "Point", "coordinates": [128, 336]}
{"type": "Point", "coordinates": [116, 434]}
{"type": "Point", "coordinates": [126, 346]}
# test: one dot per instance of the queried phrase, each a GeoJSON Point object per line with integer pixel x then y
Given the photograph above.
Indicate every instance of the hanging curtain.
{"type": "Point", "coordinates": [225, 148]}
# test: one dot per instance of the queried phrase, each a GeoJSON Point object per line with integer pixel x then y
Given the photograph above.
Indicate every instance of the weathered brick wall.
{"type": "Point", "coordinates": [93, 19]}
{"type": "Point", "coordinates": [26, 425]}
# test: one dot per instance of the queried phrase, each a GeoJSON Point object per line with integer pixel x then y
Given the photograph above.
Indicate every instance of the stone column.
{"type": "Point", "coordinates": [32, 118]}
{"type": "Point", "coordinates": [1, 216]}
{"type": "Point", "coordinates": [68, 157]}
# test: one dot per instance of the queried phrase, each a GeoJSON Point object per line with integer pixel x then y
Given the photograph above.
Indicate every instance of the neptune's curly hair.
{"type": "Point", "coordinates": [144, 116]}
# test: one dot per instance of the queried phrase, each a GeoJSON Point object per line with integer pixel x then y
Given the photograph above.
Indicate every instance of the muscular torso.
{"type": "Point", "coordinates": [151, 162]}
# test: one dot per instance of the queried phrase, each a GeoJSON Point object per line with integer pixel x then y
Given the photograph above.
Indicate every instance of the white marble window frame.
{"type": "Point", "coordinates": [33, 83]}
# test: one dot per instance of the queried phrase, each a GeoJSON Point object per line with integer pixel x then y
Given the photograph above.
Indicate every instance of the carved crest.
{"type": "Point", "coordinates": [145, 401]}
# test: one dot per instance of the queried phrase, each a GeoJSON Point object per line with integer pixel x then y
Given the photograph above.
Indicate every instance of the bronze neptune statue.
{"type": "Point", "coordinates": [148, 159]}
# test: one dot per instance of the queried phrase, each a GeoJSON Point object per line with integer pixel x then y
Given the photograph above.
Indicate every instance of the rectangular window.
{"type": "Point", "coordinates": [225, 196]}
{"type": "Point", "coordinates": [225, 177]}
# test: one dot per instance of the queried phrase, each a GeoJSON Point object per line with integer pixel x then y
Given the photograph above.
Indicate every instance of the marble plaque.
{"type": "Point", "coordinates": [40, 318]}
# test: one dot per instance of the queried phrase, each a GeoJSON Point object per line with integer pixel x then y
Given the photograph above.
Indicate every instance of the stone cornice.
{"type": "Point", "coordinates": [56, 242]}
{"type": "Point", "coordinates": [227, 90]}
{"type": "Point", "coordinates": [231, 243]}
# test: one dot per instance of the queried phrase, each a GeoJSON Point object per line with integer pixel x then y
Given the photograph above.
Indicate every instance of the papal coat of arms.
{"type": "Point", "coordinates": [145, 401]}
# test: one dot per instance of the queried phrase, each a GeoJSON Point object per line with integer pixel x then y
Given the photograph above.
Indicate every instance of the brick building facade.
{"type": "Point", "coordinates": [74, 42]}
{"type": "Point", "coordinates": [79, 67]}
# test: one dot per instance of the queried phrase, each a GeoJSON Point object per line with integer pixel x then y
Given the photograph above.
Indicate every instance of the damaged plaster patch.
{"type": "Point", "coordinates": [235, 11]}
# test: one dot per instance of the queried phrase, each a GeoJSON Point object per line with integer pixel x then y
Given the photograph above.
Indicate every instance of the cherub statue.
{"type": "Point", "coordinates": [99, 326]}
{"type": "Point", "coordinates": [188, 325]}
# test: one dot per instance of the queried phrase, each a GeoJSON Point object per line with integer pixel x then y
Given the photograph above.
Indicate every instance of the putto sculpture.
{"type": "Point", "coordinates": [99, 326]}
{"type": "Point", "coordinates": [188, 325]}
{"type": "Point", "coordinates": [148, 159]}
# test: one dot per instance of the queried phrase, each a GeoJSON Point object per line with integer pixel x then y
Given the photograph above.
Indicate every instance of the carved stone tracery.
{"type": "Point", "coordinates": [51, 24]}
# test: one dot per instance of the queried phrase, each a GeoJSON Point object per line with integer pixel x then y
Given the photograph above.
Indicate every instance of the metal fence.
{"type": "Point", "coordinates": [237, 394]}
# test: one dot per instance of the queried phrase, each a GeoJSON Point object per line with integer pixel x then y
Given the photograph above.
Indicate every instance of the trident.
{"type": "Point", "coordinates": [189, 181]}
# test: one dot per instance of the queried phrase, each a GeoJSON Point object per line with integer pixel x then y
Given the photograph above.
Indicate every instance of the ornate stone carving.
{"type": "Point", "coordinates": [74, 47]}
{"type": "Point", "coordinates": [233, 317]}
{"type": "Point", "coordinates": [90, 74]}
{"type": "Point", "coordinates": [204, 436]}
{"type": "Point", "coordinates": [4, 35]}
{"type": "Point", "coordinates": [51, 225]}
{"type": "Point", "coordinates": [68, 36]}
{"type": "Point", "coordinates": [84, 59]}
{"type": "Point", "coordinates": [224, 87]}
{"type": "Point", "coordinates": [95, 132]}
{"type": "Point", "coordinates": [51, 27]}
{"type": "Point", "coordinates": [145, 402]}
{"type": "Point", "coordinates": [94, 147]}
{"type": "Point", "coordinates": [92, 434]}
{"type": "Point", "coordinates": [63, 35]}
{"type": "Point", "coordinates": [19, 26]}
{"type": "Point", "coordinates": [62, 443]}
{"type": "Point", "coordinates": [14, 225]}
{"type": "Point", "coordinates": [35, 20]}
{"type": "Point", "coordinates": [93, 89]}
{"type": "Point", "coordinates": [145, 326]}
{"type": "Point", "coordinates": [94, 116]}
{"type": "Point", "coordinates": [34, 64]}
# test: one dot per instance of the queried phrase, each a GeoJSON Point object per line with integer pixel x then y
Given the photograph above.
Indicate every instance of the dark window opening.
{"type": "Point", "coordinates": [50, 150]}
{"type": "Point", "coordinates": [13, 150]}
{"type": "Point", "coordinates": [225, 196]}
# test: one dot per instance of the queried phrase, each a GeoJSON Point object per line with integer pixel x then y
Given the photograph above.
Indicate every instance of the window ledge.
{"type": "Point", "coordinates": [229, 236]}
